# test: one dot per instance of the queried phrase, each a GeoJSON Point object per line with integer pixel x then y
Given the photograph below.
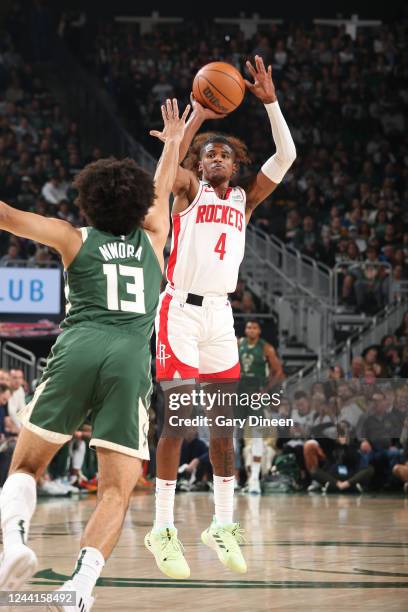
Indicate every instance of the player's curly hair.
{"type": "Point", "coordinates": [114, 195]}
{"type": "Point", "coordinates": [195, 152]}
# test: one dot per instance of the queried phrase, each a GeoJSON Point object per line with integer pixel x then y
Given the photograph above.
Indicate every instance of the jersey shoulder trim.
{"type": "Point", "coordinates": [149, 240]}
{"type": "Point", "coordinates": [243, 193]}
{"type": "Point", "coordinates": [85, 233]}
{"type": "Point", "coordinates": [193, 203]}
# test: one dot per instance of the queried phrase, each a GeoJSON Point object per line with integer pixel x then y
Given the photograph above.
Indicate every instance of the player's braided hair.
{"type": "Point", "coordinates": [200, 141]}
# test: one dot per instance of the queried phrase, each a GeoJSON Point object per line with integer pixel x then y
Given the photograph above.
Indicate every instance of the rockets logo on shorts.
{"type": "Point", "coordinates": [161, 354]}
{"type": "Point", "coordinates": [208, 242]}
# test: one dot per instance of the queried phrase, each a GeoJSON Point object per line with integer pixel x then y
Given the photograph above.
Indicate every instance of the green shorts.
{"type": "Point", "coordinates": [97, 371]}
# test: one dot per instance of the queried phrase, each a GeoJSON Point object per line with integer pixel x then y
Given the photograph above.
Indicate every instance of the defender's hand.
{"type": "Point", "coordinates": [174, 126]}
{"type": "Point", "coordinates": [262, 87]}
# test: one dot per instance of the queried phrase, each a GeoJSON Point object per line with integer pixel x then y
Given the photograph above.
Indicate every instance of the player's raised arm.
{"type": "Point", "coordinates": [157, 220]}
{"type": "Point", "coordinates": [275, 168]}
{"type": "Point", "coordinates": [52, 232]}
{"type": "Point", "coordinates": [186, 183]}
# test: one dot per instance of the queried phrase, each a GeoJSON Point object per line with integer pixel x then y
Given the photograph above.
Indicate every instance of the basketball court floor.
{"type": "Point", "coordinates": [303, 553]}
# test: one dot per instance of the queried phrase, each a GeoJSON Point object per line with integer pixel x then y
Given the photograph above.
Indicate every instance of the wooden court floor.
{"type": "Point", "coordinates": [303, 553]}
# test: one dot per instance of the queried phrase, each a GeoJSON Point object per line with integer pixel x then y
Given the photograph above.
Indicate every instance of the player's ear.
{"type": "Point", "coordinates": [200, 166]}
{"type": "Point", "coordinates": [235, 168]}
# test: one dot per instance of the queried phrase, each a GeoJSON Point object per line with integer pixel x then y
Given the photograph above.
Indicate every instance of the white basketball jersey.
{"type": "Point", "coordinates": [208, 243]}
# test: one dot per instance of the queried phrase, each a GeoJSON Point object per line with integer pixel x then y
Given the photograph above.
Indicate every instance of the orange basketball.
{"type": "Point", "coordinates": [219, 86]}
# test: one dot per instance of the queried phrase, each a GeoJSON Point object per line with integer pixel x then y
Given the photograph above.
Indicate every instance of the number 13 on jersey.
{"type": "Point", "coordinates": [220, 246]}
{"type": "Point", "coordinates": [116, 288]}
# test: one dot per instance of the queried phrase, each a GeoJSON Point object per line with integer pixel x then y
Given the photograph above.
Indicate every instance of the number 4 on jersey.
{"type": "Point", "coordinates": [220, 246]}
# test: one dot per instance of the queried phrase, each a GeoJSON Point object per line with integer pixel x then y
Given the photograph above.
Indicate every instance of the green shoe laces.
{"type": "Point", "coordinates": [171, 547]}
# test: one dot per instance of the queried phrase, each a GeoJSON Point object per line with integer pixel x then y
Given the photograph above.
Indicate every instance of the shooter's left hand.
{"type": "Point", "coordinates": [262, 87]}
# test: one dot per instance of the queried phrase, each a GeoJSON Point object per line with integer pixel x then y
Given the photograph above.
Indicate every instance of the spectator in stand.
{"type": "Point", "coordinates": [17, 400]}
{"type": "Point", "coordinates": [357, 367]}
{"type": "Point", "coordinates": [376, 432]}
{"type": "Point", "coordinates": [4, 377]}
{"type": "Point", "coordinates": [247, 303]}
{"type": "Point", "coordinates": [348, 410]}
{"type": "Point", "coordinates": [41, 258]}
{"type": "Point", "coordinates": [372, 366]}
{"type": "Point", "coordinates": [325, 251]}
{"type": "Point", "coordinates": [6, 450]}
{"type": "Point", "coordinates": [12, 257]}
{"type": "Point", "coordinates": [194, 464]}
{"type": "Point", "coordinates": [243, 300]}
{"type": "Point", "coordinates": [342, 470]}
{"type": "Point", "coordinates": [294, 440]}
{"type": "Point", "coordinates": [162, 89]}
{"type": "Point", "coordinates": [336, 372]}
{"type": "Point", "coordinates": [306, 240]}
{"type": "Point", "coordinates": [400, 470]}
{"type": "Point", "coordinates": [399, 412]}
{"type": "Point", "coordinates": [64, 212]}
{"type": "Point", "coordinates": [27, 196]}
{"type": "Point", "coordinates": [54, 191]}
{"type": "Point", "coordinates": [403, 373]}
{"type": "Point", "coordinates": [402, 330]}
{"type": "Point", "coordinates": [391, 355]}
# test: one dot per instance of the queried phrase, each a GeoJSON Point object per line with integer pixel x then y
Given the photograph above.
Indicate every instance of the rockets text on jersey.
{"type": "Point", "coordinates": [208, 242]}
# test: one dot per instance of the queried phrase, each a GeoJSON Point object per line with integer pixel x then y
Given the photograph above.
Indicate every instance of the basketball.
{"type": "Point", "coordinates": [219, 86]}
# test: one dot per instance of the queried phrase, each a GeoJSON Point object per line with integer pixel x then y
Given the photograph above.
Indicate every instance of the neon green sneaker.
{"type": "Point", "coordinates": [168, 552]}
{"type": "Point", "coordinates": [225, 541]}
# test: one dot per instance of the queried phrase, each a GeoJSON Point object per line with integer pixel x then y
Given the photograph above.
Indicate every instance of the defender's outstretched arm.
{"type": "Point", "coordinates": [157, 220]}
{"type": "Point", "coordinates": [58, 234]}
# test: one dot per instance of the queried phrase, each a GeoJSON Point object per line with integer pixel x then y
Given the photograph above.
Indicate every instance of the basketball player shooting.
{"type": "Point", "coordinates": [195, 325]}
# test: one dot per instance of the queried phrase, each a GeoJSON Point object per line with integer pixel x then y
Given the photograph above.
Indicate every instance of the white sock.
{"type": "Point", "coordinates": [17, 504]}
{"type": "Point", "coordinates": [224, 499]}
{"type": "Point", "coordinates": [78, 455]}
{"type": "Point", "coordinates": [255, 470]}
{"type": "Point", "coordinates": [88, 569]}
{"type": "Point", "coordinates": [165, 492]}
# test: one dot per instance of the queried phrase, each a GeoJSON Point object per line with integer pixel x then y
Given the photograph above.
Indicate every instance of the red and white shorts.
{"type": "Point", "coordinates": [195, 341]}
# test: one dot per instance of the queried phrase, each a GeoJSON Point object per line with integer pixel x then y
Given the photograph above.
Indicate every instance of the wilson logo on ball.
{"type": "Point", "coordinates": [214, 100]}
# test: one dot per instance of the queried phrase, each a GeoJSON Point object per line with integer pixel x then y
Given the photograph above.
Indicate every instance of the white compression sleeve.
{"type": "Point", "coordinates": [276, 166]}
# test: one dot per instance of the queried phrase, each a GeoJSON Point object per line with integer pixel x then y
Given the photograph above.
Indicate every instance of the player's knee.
{"type": "Point", "coordinates": [118, 495]}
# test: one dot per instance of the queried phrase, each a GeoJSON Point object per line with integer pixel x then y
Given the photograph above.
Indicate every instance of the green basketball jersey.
{"type": "Point", "coordinates": [113, 280]}
{"type": "Point", "coordinates": [254, 366]}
